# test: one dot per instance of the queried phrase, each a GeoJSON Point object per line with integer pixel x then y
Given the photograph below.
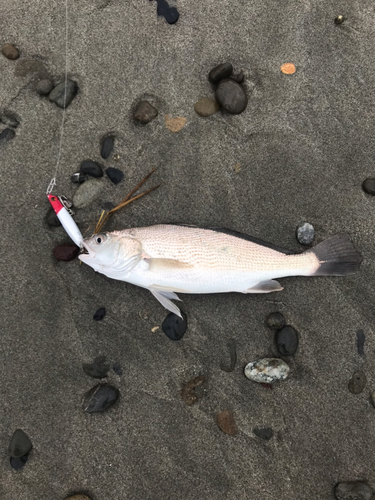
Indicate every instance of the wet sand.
{"type": "Point", "coordinates": [299, 152]}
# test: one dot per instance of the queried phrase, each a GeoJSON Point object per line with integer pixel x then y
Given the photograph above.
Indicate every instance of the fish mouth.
{"type": "Point", "coordinates": [85, 251]}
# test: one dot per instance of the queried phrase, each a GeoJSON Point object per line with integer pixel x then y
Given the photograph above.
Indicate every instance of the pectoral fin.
{"type": "Point", "coordinates": [164, 297]}
{"type": "Point", "coordinates": [265, 287]}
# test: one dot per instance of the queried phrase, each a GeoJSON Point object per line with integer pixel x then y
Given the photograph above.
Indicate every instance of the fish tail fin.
{"type": "Point", "coordinates": [337, 257]}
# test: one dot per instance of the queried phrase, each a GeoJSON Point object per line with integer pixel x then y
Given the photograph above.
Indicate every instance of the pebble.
{"type": "Point", "coordinates": [51, 218]}
{"type": "Point", "coordinates": [220, 72]}
{"type": "Point", "coordinates": [276, 320]}
{"type": "Point", "coordinates": [231, 344]}
{"type": "Point", "coordinates": [107, 146]}
{"type": "Point", "coordinates": [80, 496]}
{"type": "Point", "coordinates": [145, 112]}
{"type": "Point", "coordinates": [231, 96]}
{"type": "Point", "coordinates": [9, 120]}
{"type": "Point", "coordinates": [238, 78]}
{"type": "Point", "coordinates": [91, 168]}
{"type": "Point", "coordinates": [57, 94]}
{"type": "Point", "coordinates": [78, 178]}
{"type": "Point", "coordinates": [226, 422]}
{"type": "Point", "coordinates": [87, 193]}
{"type": "Point", "coordinates": [287, 341]}
{"type": "Point", "coordinates": [20, 444]}
{"type": "Point", "coordinates": [188, 393]}
{"type": "Point", "coordinates": [44, 86]}
{"type": "Point", "coordinates": [339, 19]}
{"type": "Point", "coordinates": [97, 369]}
{"type": "Point", "coordinates": [10, 52]}
{"type": "Point", "coordinates": [372, 398]}
{"type": "Point", "coordinates": [206, 106]}
{"type": "Point", "coordinates": [117, 369]}
{"type": "Point", "coordinates": [170, 14]}
{"type": "Point", "coordinates": [358, 382]}
{"type": "Point", "coordinates": [6, 135]}
{"type": "Point", "coordinates": [361, 342]}
{"type": "Point", "coordinates": [174, 327]}
{"type": "Point", "coordinates": [18, 462]}
{"type": "Point", "coordinates": [263, 432]}
{"type": "Point", "coordinates": [288, 69]}
{"type": "Point", "coordinates": [108, 205]}
{"type": "Point", "coordinates": [305, 233]}
{"type": "Point", "coordinates": [353, 490]}
{"type": "Point", "coordinates": [114, 174]}
{"type": "Point", "coordinates": [100, 398]}
{"type": "Point", "coordinates": [66, 252]}
{"type": "Point", "coordinates": [100, 313]}
{"type": "Point", "coordinates": [369, 186]}
{"type": "Point", "coordinates": [175, 124]}
{"type": "Point", "coordinates": [267, 370]}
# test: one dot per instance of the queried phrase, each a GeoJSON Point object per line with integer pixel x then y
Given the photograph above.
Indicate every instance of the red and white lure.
{"type": "Point", "coordinates": [67, 221]}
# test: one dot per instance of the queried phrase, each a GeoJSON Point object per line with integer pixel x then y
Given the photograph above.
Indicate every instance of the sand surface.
{"type": "Point", "coordinates": [304, 145]}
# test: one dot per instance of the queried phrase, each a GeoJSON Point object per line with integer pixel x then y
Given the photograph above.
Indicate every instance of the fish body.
{"type": "Point", "coordinates": [167, 259]}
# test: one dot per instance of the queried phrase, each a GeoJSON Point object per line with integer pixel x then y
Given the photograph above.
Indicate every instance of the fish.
{"type": "Point", "coordinates": [168, 259]}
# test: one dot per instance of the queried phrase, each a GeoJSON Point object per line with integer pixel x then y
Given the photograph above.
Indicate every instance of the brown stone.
{"type": "Point", "coordinates": [206, 106]}
{"type": "Point", "coordinates": [225, 420]}
{"type": "Point", "coordinates": [175, 124]}
{"type": "Point", "coordinates": [10, 52]}
{"type": "Point", "coordinates": [145, 112]}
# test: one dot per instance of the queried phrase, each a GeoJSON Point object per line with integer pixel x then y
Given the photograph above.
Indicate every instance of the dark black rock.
{"type": "Point", "coordinates": [276, 321]}
{"type": "Point", "coordinates": [369, 186]}
{"type": "Point", "coordinates": [57, 94]}
{"type": "Point", "coordinates": [263, 433]}
{"type": "Point", "coordinates": [239, 78]}
{"type": "Point", "coordinates": [361, 342]}
{"type": "Point", "coordinates": [100, 313]}
{"type": "Point", "coordinates": [117, 369]}
{"type": "Point", "coordinates": [66, 252]}
{"type": "Point", "coordinates": [6, 135]}
{"type": "Point", "coordinates": [89, 167]}
{"type": "Point", "coordinates": [287, 341]}
{"type": "Point", "coordinates": [44, 86]}
{"type": "Point", "coordinates": [51, 218]}
{"type": "Point", "coordinates": [9, 120]}
{"type": "Point", "coordinates": [353, 490]}
{"type": "Point", "coordinates": [18, 463]}
{"type": "Point", "coordinates": [78, 178]}
{"type": "Point", "coordinates": [174, 327]}
{"type": "Point", "coordinates": [231, 96]}
{"type": "Point", "coordinates": [358, 382]}
{"type": "Point", "coordinates": [305, 233]}
{"type": "Point", "coordinates": [145, 112]}
{"type": "Point", "coordinates": [114, 174]}
{"type": "Point", "coordinates": [170, 14]}
{"type": "Point", "coordinates": [97, 369]}
{"type": "Point", "coordinates": [107, 146]}
{"type": "Point", "coordinates": [220, 72]}
{"type": "Point", "coordinates": [20, 444]}
{"type": "Point", "coordinates": [100, 398]}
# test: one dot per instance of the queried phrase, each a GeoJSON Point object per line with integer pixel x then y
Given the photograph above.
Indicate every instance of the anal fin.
{"type": "Point", "coordinates": [265, 287]}
{"type": "Point", "coordinates": [165, 297]}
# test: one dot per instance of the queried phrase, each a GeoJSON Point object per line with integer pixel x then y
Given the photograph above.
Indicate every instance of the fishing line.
{"type": "Point", "coordinates": [52, 184]}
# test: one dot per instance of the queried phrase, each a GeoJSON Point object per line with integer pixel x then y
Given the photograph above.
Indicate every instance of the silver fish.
{"type": "Point", "coordinates": [167, 259]}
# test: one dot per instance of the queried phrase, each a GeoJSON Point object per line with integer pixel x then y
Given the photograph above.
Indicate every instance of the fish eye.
{"type": "Point", "coordinates": [100, 238]}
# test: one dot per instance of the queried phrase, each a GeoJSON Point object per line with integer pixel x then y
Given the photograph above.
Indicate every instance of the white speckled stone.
{"type": "Point", "coordinates": [267, 370]}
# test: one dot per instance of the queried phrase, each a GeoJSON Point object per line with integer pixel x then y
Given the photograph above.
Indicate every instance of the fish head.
{"type": "Point", "coordinates": [109, 252]}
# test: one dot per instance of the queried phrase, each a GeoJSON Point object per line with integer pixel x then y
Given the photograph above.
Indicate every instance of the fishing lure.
{"type": "Point", "coordinates": [58, 204]}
